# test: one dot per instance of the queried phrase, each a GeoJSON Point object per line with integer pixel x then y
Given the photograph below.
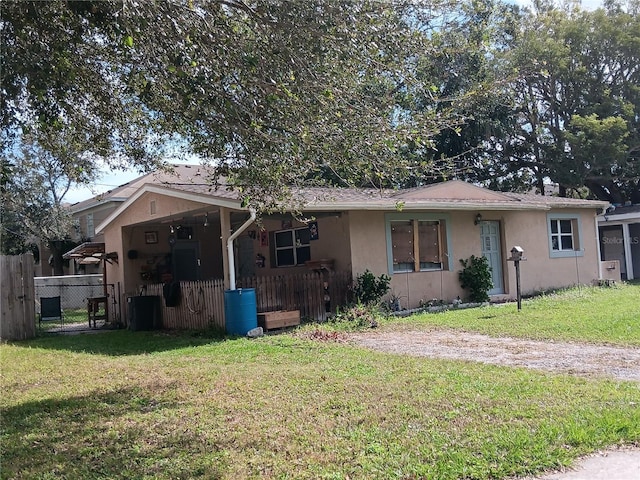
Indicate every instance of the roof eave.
{"type": "Point", "coordinates": [203, 198]}
{"type": "Point", "coordinates": [404, 206]}
{"type": "Point", "coordinates": [98, 203]}
{"type": "Point", "coordinates": [611, 218]}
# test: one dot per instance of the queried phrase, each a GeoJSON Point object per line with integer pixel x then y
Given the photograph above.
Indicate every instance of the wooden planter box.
{"type": "Point", "coordinates": [279, 319]}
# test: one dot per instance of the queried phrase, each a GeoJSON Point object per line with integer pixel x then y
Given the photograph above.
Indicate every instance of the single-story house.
{"type": "Point", "coordinates": [619, 230]}
{"type": "Point", "coordinates": [190, 233]}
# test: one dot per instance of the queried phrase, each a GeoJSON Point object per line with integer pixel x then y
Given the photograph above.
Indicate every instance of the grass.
{"type": "Point", "coordinates": [143, 405]}
{"type": "Point", "coordinates": [587, 314]}
{"type": "Point", "coordinates": [70, 317]}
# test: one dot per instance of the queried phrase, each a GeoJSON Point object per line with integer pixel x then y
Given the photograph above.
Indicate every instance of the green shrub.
{"type": "Point", "coordinates": [357, 316]}
{"type": "Point", "coordinates": [476, 277]}
{"type": "Point", "coordinates": [369, 289]}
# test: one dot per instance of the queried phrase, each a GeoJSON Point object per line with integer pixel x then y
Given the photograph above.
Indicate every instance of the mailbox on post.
{"type": "Point", "coordinates": [517, 256]}
{"type": "Point", "coordinates": [517, 253]}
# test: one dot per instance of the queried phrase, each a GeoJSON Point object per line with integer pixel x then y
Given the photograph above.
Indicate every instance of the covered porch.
{"type": "Point", "coordinates": [163, 238]}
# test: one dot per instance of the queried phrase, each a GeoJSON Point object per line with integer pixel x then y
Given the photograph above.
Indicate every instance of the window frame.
{"type": "Point", "coordinates": [576, 235]}
{"type": "Point", "coordinates": [91, 228]}
{"type": "Point", "coordinates": [293, 247]}
{"type": "Point", "coordinates": [445, 244]}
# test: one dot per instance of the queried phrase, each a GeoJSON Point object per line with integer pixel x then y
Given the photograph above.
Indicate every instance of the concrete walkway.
{"type": "Point", "coordinates": [606, 465]}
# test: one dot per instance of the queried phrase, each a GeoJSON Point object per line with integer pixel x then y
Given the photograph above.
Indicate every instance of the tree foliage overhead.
{"type": "Point", "coordinates": [276, 92]}
{"type": "Point", "coordinates": [349, 92]}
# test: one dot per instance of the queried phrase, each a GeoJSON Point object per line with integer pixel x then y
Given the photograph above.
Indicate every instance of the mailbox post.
{"type": "Point", "coordinates": [517, 255]}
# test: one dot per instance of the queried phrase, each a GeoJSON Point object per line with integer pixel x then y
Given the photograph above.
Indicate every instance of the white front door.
{"type": "Point", "coordinates": [490, 238]}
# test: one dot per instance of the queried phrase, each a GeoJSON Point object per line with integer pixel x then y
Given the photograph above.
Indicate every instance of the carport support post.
{"type": "Point", "coordinates": [225, 228]}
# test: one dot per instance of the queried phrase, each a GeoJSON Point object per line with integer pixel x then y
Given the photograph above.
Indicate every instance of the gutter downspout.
{"type": "Point", "coordinates": [234, 235]}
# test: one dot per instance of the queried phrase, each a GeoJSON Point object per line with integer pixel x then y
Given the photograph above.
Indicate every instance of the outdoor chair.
{"type": "Point", "coordinates": [50, 310]}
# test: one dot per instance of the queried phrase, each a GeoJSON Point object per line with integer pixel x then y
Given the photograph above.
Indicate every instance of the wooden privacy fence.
{"type": "Point", "coordinates": [17, 298]}
{"type": "Point", "coordinates": [202, 303]}
{"type": "Point", "coordinates": [314, 294]}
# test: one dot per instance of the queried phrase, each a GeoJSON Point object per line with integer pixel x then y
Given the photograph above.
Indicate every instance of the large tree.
{"type": "Point", "coordinates": [577, 100]}
{"type": "Point", "coordinates": [34, 184]}
{"type": "Point", "coordinates": [469, 70]}
{"type": "Point", "coordinates": [277, 92]}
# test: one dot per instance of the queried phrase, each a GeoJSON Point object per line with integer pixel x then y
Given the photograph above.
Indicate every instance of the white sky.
{"type": "Point", "coordinates": [111, 180]}
{"type": "Point", "coordinates": [108, 181]}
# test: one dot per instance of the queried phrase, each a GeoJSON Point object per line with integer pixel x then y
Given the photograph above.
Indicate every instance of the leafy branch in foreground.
{"type": "Point", "coordinates": [274, 94]}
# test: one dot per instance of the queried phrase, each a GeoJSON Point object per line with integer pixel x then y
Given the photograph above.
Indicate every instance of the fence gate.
{"type": "Point", "coordinates": [17, 321]}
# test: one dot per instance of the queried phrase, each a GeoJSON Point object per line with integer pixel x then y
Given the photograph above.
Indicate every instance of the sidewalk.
{"type": "Point", "coordinates": [606, 465]}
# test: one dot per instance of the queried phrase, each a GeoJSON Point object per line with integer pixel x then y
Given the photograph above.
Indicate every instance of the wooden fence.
{"type": "Point", "coordinates": [17, 298]}
{"type": "Point", "coordinates": [202, 303]}
{"type": "Point", "coordinates": [315, 295]}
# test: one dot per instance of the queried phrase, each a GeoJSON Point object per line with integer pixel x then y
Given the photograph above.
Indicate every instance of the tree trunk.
{"type": "Point", "coordinates": [540, 182]}
{"type": "Point", "coordinates": [56, 248]}
{"type": "Point", "coordinates": [608, 192]}
{"type": "Point", "coordinates": [635, 195]}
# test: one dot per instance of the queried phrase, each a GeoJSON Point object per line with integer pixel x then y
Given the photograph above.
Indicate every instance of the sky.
{"type": "Point", "coordinates": [108, 181]}
{"type": "Point", "coordinates": [112, 179]}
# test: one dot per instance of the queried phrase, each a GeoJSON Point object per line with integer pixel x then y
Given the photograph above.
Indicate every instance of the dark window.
{"type": "Point", "coordinates": [292, 247]}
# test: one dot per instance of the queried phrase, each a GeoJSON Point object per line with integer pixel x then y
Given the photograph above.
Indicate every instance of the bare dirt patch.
{"type": "Point", "coordinates": [621, 363]}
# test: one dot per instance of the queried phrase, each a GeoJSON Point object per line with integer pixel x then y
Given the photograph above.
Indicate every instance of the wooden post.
{"type": "Point", "coordinates": [517, 255]}
{"type": "Point", "coordinates": [518, 293]}
{"type": "Point", "coordinates": [225, 233]}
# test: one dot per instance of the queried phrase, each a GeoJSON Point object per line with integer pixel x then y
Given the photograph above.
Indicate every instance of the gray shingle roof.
{"type": "Point", "coordinates": [449, 195]}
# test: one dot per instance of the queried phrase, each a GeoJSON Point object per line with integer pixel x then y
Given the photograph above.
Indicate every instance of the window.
{"type": "Point", "coordinates": [416, 244]}
{"type": "Point", "coordinates": [91, 231]}
{"type": "Point", "coordinates": [564, 235]}
{"type": "Point", "coordinates": [561, 234]}
{"type": "Point", "coordinates": [292, 247]}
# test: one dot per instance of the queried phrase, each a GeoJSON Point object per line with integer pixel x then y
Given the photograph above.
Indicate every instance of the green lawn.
{"type": "Point", "coordinates": [70, 317]}
{"type": "Point", "coordinates": [140, 405]}
{"type": "Point", "coordinates": [588, 314]}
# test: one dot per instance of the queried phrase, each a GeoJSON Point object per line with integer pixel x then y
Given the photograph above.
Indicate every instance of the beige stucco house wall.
{"type": "Point", "coordinates": [528, 229]}
{"type": "Point", "coordinates": [355, 235]}
{"type": "Point", "coordinates": [541, 271]}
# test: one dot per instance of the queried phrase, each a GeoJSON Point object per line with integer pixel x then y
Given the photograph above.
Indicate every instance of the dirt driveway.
{"type": "Point", "coordinates": [564, 357]}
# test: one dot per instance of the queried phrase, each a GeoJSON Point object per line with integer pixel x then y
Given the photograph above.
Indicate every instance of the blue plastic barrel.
{"type": "Point", "coordinates": [240, 311]}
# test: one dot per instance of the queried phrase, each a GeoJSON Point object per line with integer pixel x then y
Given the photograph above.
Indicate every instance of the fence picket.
{"type": "Point", "coordinates": [202, 303]}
